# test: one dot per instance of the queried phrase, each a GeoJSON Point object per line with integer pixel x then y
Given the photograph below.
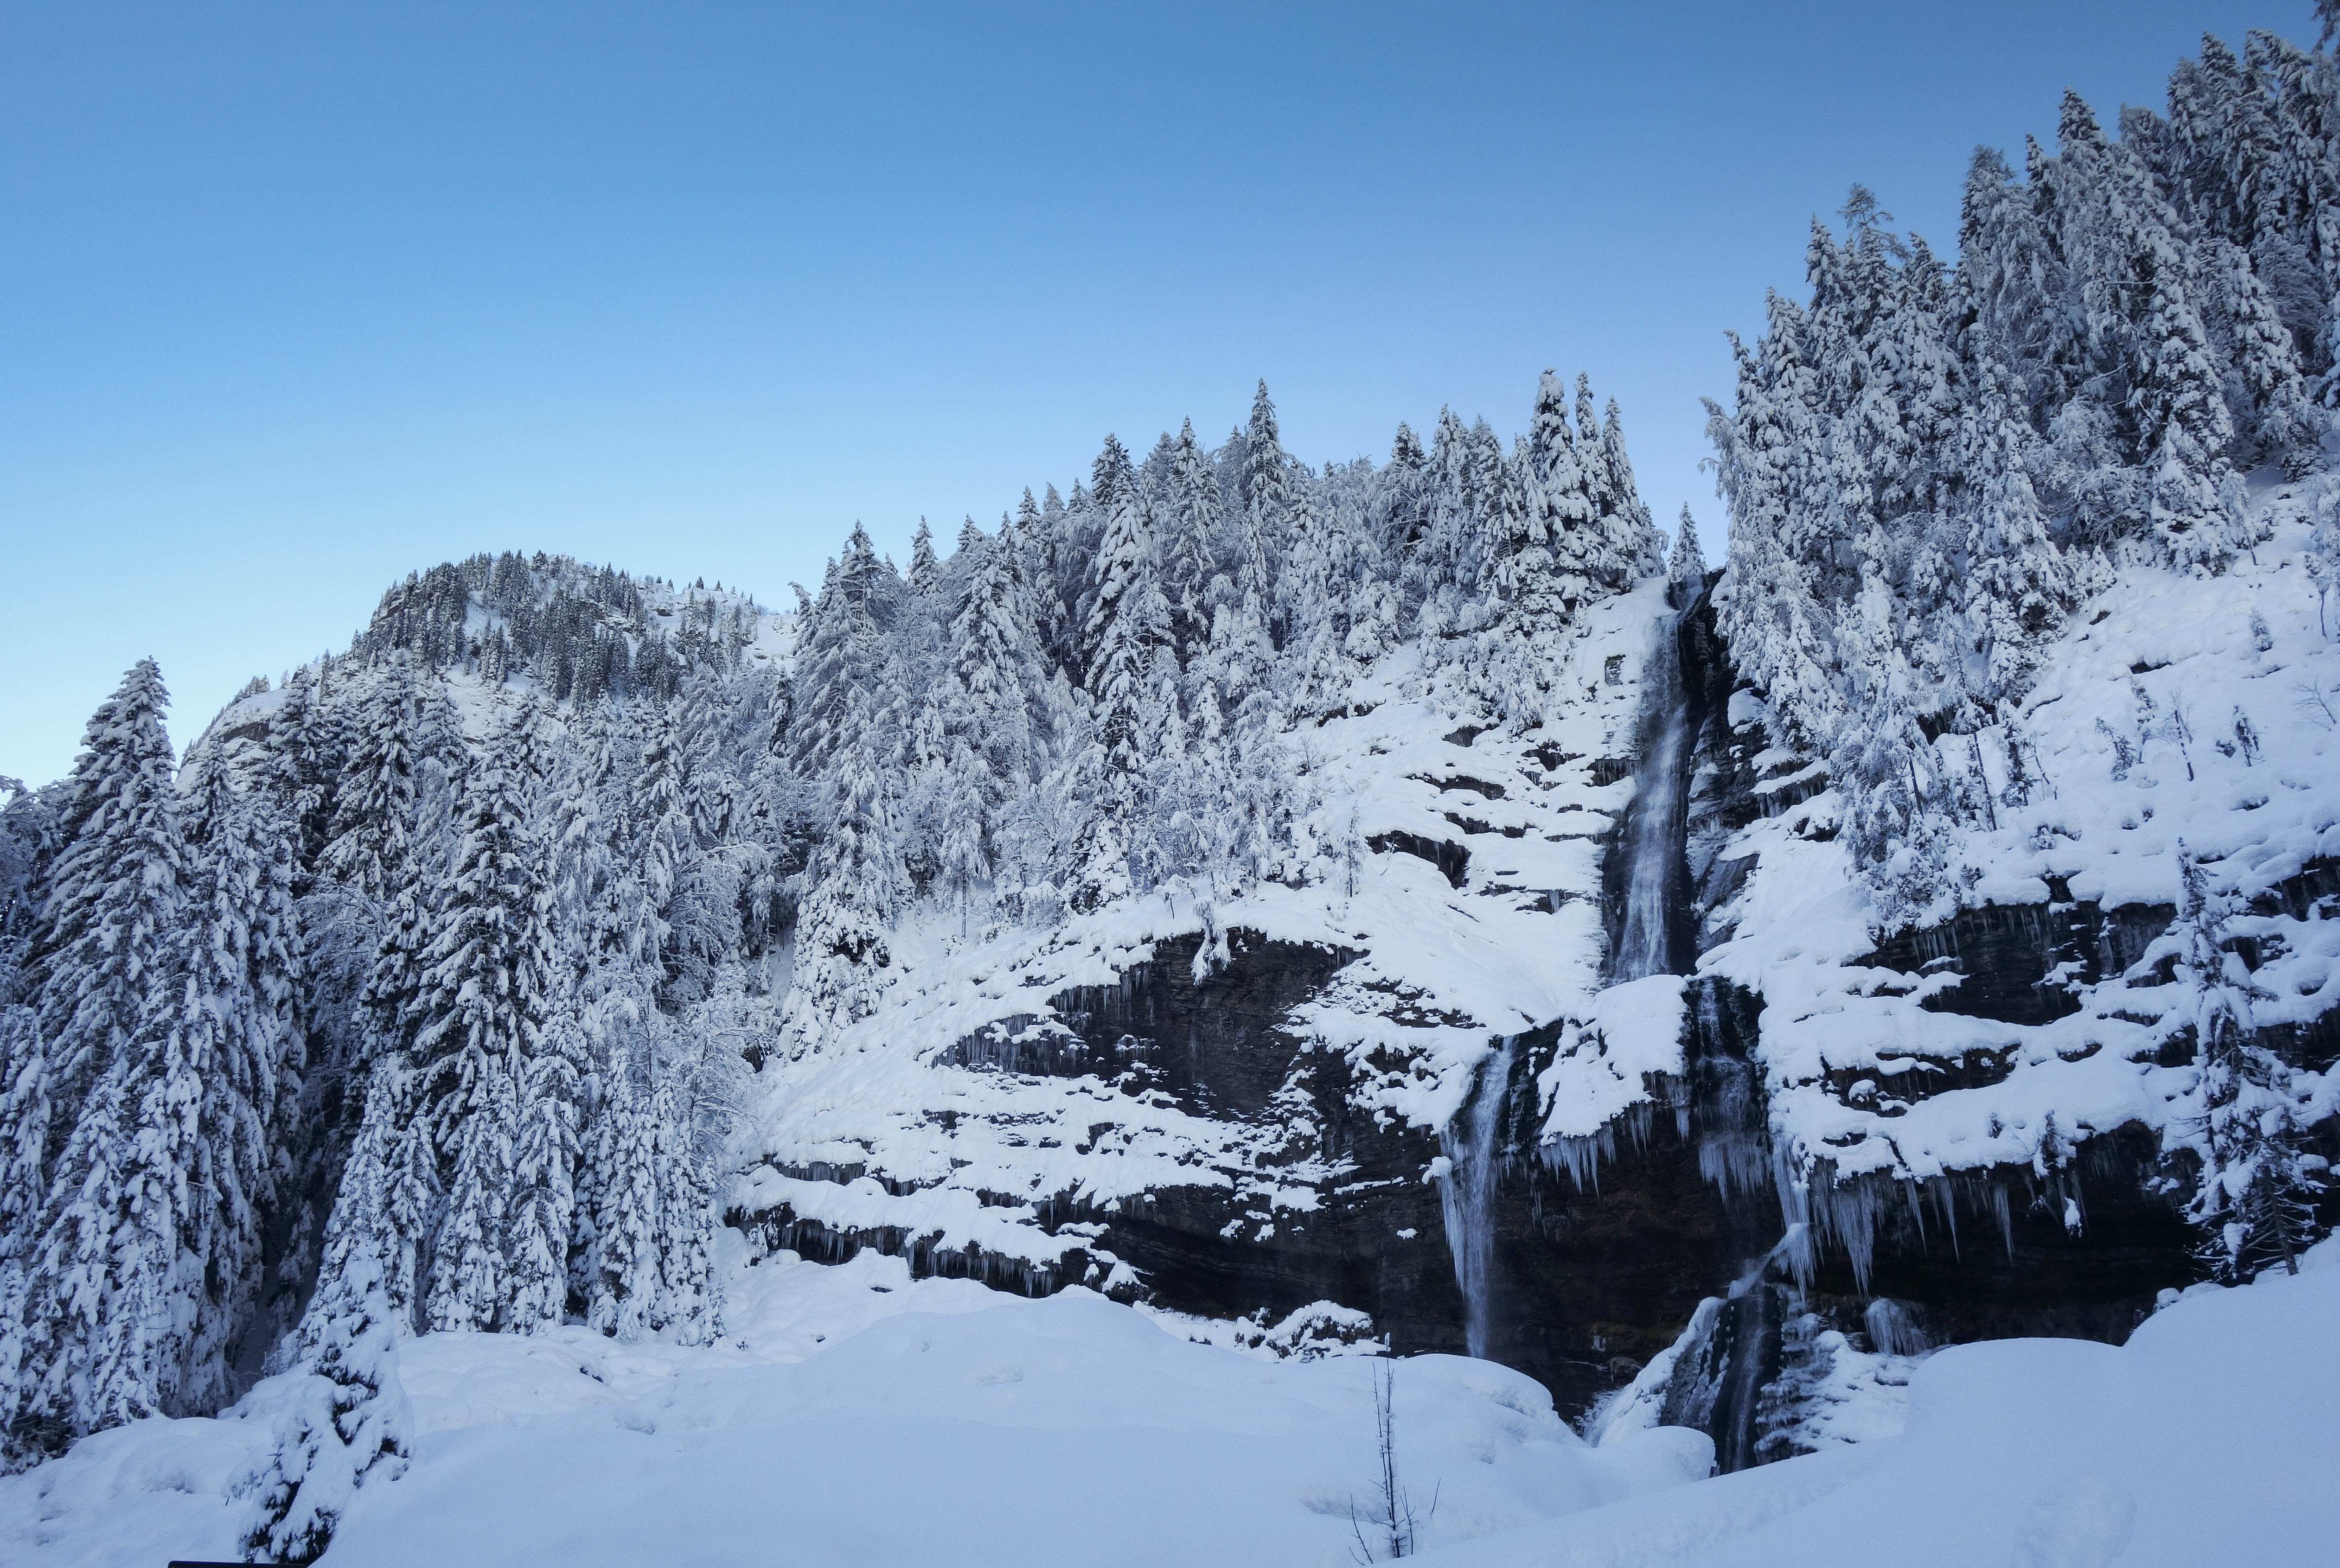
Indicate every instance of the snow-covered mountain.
{"type": "Point", "coordinates": [1319, 911]}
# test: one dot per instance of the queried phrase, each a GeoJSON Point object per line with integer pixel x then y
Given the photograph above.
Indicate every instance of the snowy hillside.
{"type": "Point", "coordinates": [869, 1418]}
{"type": "Point", "coordinates": [951, 1145]}
{"type": "Point", "coordinates": [602, 1065]}
{"type": "Point", "coordinates": [2179, 716]}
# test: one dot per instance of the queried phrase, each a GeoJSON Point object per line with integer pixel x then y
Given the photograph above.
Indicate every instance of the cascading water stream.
{"type": "Point", "coordinates": [1653, 845]}
{"type": "Point", "coordinates": [1467, 1193]}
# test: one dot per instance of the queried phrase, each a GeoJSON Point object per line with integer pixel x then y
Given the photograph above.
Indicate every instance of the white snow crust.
{"type": "Point", "coordinates": [861, 1417]}
{"type": "Point", "coordinates": [1848, 1048]}
{"type": "Point", "coordinates": [1441, 973]}
{"type": "Point", "coordinates": [2205, 1439]}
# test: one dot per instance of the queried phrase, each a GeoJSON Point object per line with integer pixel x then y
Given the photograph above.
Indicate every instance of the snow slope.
{"type": "Point", "coordinates": [973, 1155]}
{"type": "Point", "coordinates": [2159, 719]}
{"type": "Point", "coordinates": [2206, 1438]}
{"type": "Point", "coordinates": [865, 1418]}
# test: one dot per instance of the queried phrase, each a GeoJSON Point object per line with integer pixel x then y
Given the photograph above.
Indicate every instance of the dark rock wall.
{"type": "Point", "coordinates": [1604, 1248]}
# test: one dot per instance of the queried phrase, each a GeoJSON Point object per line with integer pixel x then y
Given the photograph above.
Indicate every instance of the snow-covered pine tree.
{"type": "Point", "coordinates": [145, 1270]}
{"type": "Point", "coordinates": [1538, 539]}
{"type": "Point", "coordinates": [961, 815]}
{"type": "Point", "coordinates": [622, 1295]}
{"type": "Point", "coordinates": [1633, 547]}
{"type": "Point", "coordinates": [1133, 691]}
{"type": "Point", "coordinates": [995, 671]}
{"type": "Point", "coordinates": [1442, 569]}
{"type": "Point", "coordinates": [27, 830]}
{"type": "Point", "coordinates": [1187, 521]}
{"type": "Point", "coordinates": [374, 802]}
{"type": "Point", "coordinates": [1686, 568]}
{"type": "Point", "coordinates": [1263, 489]}
{"type": "Point", "coordinates": [23, 1141]}
{"type": "Point", "coordinates": [2019, 585]}
{"type": "Point", "coordinates": [480, 1036]}
{"type": "Point", "coordinates": [689, 1112]}
{"type": "Point", "coordinates": [111, 894]}
{"type": "Point", "coordinates": [1543, 556]}
{"type": "Point", "coordinates": [1129, 620]}
{"type": "Point", "coordinates": [238, 1027]}
{"type": "Point", "coordinates": [1767, 607]}
{"type": "Point", "coordinates": [543, 1196]}
{"type": "Point", "coordinates": [857, 883]}
{"type": "Point", "coordinates": [838, 652]}
{"type": "Point", "coordinates": [925, 579]}
{"type": "Point", "coordinates": [303, 765]}
{"type": "Point", "coordinates": [104, 1296]}
{"type": "Point", "coordinates": [2255, 1198]}
{"type": "Point", "coordinates": [344, 1423]}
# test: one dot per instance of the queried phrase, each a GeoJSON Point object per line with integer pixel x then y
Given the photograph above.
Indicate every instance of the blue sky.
{"type": "Point", "coordinates": [296, 299]}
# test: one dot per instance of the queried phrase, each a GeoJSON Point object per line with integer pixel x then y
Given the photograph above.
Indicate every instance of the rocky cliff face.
{"type": "Point", "coordinates": [1927, 1136]}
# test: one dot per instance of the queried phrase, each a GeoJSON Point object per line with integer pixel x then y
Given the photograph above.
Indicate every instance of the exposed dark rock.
{"type": "Point", "coordinates": [1718, 1382]}
{"type": "Point", "coordinates": [1987, 1255]}
{"type": "Point", "coordinates": [1463, 781]}
{"type": "Point", "coordinates": [779, 1227]}
{"type": "Point", "coordinates": [1453, 860]}
{"type": "Point", "coordinates": [2024, 963]}
{"type": "Point", "coordinates": [1216, 1045]}
{"type": "Point", "coordinates": [1603, 1247]}
{"type": "Point", "coordinates": [1607, 771]}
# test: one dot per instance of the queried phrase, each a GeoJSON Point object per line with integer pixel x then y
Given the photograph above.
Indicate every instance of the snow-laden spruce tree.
{"type": "Point", "coordinates": [992, 669]}
{"type": "Point", "coordinates": [1235, 682]}
{"type": "Point", "coordinates": [1686, 566]}
{"type": "Point", "coordinates": [1187, 522]}
{"type": "Point", "coordinates": [28, 838]}
{"type": "Point", "coordinates": [304, 747]}
{"type": "Point", "coordinates": [2255, 1200]}
{"type": "Point", "coordinates": [135, 1263]}
{"type": "Point", "coordinates": [92, 1336]}
{"type": "Point", "coordinates": [112, 896]}
{"type": "Point", "coordinates": [481, 1038]}
{"type": "Point", "coordinates": [236, 1025]}
{"type": "Point", "coordinates": [857, 883]}
{"type": "Point", "coordinates": [340, 1422]}
{"type": "Point", "coordinates": [839, 651]}
{"type": "Point", "coordinates": [1131, 713]}
{"type": "Point", "coordinates": [375, 801]}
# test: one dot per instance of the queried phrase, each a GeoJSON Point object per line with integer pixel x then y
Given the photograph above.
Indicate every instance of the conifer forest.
{"type": "Point", "coordinates": [1413, 908]}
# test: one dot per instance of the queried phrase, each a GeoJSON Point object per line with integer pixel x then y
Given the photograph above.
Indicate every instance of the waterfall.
{"type": "Point", "coordinates": [1654, 831]}
{"type": "Point", "coordinates": [1467, 1193]}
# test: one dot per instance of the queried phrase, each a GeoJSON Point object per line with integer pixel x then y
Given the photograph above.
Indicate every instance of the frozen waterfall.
{"type": "Point", "coordinates": [1467, 1193]}
{"type": "Point", "coordinates": [1653, 837]}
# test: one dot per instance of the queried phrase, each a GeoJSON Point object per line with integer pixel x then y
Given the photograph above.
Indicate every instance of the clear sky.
{"type": "Point", "coordinates": [296, 299]}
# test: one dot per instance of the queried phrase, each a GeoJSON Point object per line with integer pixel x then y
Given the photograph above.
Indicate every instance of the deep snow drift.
{"type": "Point", "coordinates": [861, 1417]}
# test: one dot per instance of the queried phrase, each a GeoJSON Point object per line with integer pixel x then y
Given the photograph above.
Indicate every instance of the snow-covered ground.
{"type": "Point", "coordinates": [1439, 972]}
{"type": "Point", "coordinates": [2178, 709]}
{"type": "Point", "coordinates": [860, 1417]}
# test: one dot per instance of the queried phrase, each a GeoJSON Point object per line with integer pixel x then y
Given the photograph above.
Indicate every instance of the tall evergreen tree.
{"type": "Point", "coordinates": [481, 1038]}
{"type": "Point", "coordinates": [236, 1024]}
{"type": "Point", "coordinates": [2255, 1200]}
{"type": "Point", "coordinates": [374, 804]}
{"type": "Point", "coordinates": [1686, 570]}
{"type": "Point", "coordinates": [112, 895]}
{"type": "Point", "coordinates": [1188, 524]}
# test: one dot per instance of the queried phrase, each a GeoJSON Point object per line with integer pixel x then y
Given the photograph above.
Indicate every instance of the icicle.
{"type": "Point", "coordinates": [1644, 941]}
{"type": "Point", "coordinates": [1467, 1192]}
